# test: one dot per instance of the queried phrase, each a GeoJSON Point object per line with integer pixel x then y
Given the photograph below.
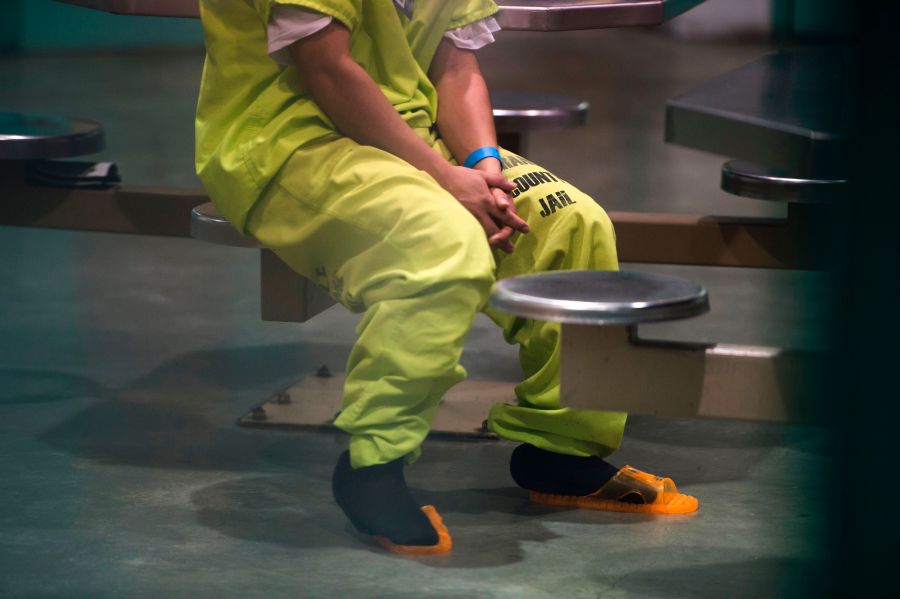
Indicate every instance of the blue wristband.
{"type": "Point", "coordinates": [480, 154]}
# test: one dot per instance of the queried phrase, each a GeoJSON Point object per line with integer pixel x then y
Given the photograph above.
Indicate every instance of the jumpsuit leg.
{"type": "Point", "coordinates": [388, 241]}
{"type": "Point", "coordinates": [569, 231]}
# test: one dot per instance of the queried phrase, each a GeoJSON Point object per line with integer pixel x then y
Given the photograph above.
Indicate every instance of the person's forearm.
{"type": "Point", "coordinates": [465, 119]}
{"type": "Point", "coordinates": [359, 109]}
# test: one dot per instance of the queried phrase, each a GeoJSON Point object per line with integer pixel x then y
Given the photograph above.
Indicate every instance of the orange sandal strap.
{"type": "Point", "coordinates": [657, 495]}
{"type": "Point", "coordinates": [444, 544]}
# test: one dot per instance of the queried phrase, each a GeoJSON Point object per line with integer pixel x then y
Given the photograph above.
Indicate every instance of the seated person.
{"type": "Point", "coordinates": [354, 138]}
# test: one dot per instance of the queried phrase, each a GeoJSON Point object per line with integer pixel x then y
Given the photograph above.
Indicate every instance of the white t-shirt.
{"type": "Point", "coordinates": [287, 24]}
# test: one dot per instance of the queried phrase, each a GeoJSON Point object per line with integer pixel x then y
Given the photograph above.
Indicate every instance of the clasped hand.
{"type": "Point", "coordinates": [486, 196]}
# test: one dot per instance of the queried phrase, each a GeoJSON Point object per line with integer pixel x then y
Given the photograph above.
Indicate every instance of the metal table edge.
{"type": "Point", "coordinates": [512, 17]}
{"type": "Point", "coordinates": [673, 8]}
{"type": "Point", "coordinates": [676, 104]}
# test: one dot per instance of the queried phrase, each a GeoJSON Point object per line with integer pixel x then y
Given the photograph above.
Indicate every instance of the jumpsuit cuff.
{"type": "Point", "coordinates": [582, 433]}
{"type": "Point", "coordinates": [367, 451]}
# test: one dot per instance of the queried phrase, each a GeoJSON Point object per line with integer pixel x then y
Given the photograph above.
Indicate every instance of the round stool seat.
{"type": "Point", "coordinates": [41, 137]}
{"type": "Point", "coordinates": [208, 224]}
{"type": "Point", "coordinates": [763, 183]}
{"type": "Point", "coordinates": [515, 112]}
{"type": "Point", "coordinates": [600, 297]}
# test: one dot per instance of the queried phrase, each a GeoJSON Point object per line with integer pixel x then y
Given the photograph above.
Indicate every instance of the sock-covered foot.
{"type": "Point", "coordinates": [556, 473]}
{"type": "Point", "coordinates": [378, 503]}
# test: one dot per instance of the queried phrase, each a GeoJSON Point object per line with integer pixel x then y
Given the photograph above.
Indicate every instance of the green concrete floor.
{"type": "Point", "coordinates": [125, 361]}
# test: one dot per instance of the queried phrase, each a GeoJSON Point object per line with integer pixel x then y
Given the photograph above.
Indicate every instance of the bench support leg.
{"type": "Point", "coordinates": [611, 368]}
{"type": "Point", "coordinates": [286, 296]}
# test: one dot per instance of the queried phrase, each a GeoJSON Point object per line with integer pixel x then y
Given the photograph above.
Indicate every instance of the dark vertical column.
{"type": "Point", "coordinates": [783, 18]}
{"type": "Point", "coordinates": [10, 25]}
{"type": "Point", "coordinates": [801, 20]}
{"type": "Point", "coordinates": [867, 401]}
{"type": "Point", "coordinates": [514, 142]}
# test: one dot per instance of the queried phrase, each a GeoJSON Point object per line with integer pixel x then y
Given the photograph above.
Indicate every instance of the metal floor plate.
{"type": "Point", "coordinates": [315, 402]}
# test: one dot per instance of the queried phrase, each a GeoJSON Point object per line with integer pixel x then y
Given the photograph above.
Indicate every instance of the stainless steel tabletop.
{"type": "Point", "coordinates": [523, 15]}
{"type": "Point", "coordinates": [789, 109]}
{"type": "Point", "coordinates": [33, 137]}
{"type": "Point", "coordinates": [600, 297]}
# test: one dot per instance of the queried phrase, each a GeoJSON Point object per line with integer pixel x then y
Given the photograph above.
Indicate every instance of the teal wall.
{"type": "Point", "coordinates": [10, 17]}
{"type": "Point", "coordinates": [798, 19]}
{"type": "Point", "coordinates": [47, 25]}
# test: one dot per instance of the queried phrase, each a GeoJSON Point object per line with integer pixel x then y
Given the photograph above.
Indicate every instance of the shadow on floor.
{"type": "Point", "coordinates": [292, 511]}
{"type": "Point", "coordinates": [750, 578]}
{"type": "Point", "coordinates": [181, 415]}
{"type": "Point", "coordinates": [693, 451]}
{"type": "Point", "coordinates": [298, 512]}
{"type": "Point", "coordinates": [21, 386]}
{"type": "Point", "coordinates": [722, 433]}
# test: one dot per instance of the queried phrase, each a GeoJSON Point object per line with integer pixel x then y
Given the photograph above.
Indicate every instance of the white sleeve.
{"type": "Point", "coordinates": [474, 35]}
{"type": "Point", "coordinates": [287, 24]}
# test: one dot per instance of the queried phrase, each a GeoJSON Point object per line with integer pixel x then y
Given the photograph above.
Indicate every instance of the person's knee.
{"type": "Point", "coordinates": [602, 230]}
{"type": "Point", "coordinates": [461, 255]}
{"type": "Point", "coordinates": [581, 213]}
{"type": "Point", "coordinates": [588, 232]}
{"type": "Point", "coordinates": [455, 255]}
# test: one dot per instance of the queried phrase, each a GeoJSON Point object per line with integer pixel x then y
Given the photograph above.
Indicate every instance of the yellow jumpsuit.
{"type": "Point", "coordinates": [383, 236]}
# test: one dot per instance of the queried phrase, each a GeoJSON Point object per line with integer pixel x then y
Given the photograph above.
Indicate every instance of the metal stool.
{"type": "Point", "coordinates": [764, 183]}
{"type": "Point", "coordinates": [75, 195]}
{"type": "Point", "coordinates": [208, 224]}
{"type": "Point", "coordinates": [42, 137]}
{"type": "Point", "coordinates": [607, 366]}
{"type": "Point", "coordinates": [518, 113]}
{"type": "Point", "coordinates": [600, 297]}
{"type": "Point", "coordinates": [599, 312]}
{"type": "Point", "coordinates": [810, 203]}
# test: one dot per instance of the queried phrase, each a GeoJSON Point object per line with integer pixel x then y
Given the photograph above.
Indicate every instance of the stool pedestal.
{"type": "Point", "coordinates": [612, 368]}
{"type": "Point", "coordinates": [607, 366]}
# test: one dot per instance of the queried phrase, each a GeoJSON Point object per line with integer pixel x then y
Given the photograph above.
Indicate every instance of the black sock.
{"type": "Point", "coordinates": [378, 502]}
{"type": "Point", "coordinates": [538, 470]}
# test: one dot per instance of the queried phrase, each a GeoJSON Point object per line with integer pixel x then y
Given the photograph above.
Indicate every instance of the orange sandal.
{"type": "Point", "coordinates": [444, 544]}
{"type": "Point", "coordinates": [657, 495]}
